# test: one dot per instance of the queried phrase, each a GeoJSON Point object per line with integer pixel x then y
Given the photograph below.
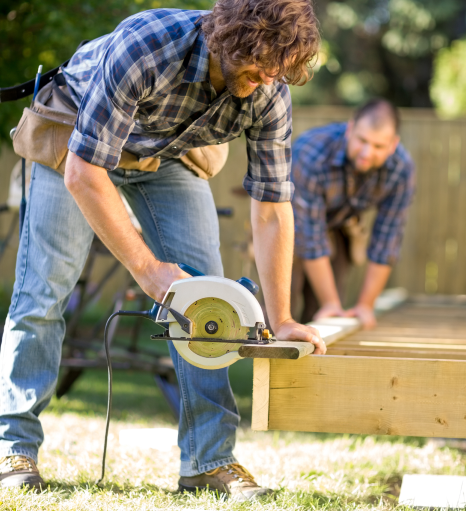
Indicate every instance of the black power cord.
{"type": "Point", "coordinates": [141, 314]}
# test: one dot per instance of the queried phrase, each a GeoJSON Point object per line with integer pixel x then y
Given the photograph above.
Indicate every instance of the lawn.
{"type": "Point", "coordinates": [307, 471]}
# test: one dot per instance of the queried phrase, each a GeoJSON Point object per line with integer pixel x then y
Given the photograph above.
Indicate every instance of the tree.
{"type": "Point", "coordinates": [448, 87]}
{"type": "Point", "coordinates": [380, 47]}
{"type": "Point", "coordinates": [369, 47]}
{"type": "Point", "coordinates": [47, 32]}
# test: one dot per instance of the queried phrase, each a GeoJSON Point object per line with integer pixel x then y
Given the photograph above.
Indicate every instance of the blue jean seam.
{"type": "Point", "coordinates": [187, 411]}
{"type": "Point", "coordinates": [210, 466]}
{"type": "Point", "coordinates": [151, 209]}
{"type": "Point", "coordinates": [25, 232]}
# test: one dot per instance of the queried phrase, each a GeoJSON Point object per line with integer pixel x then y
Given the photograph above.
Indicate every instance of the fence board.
{"type": "Point", "coordinates": [436, 222]}
{"type": "Point", "coordinates": [435, 231]}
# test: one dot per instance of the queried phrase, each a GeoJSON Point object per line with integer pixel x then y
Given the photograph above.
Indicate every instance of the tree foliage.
{"type": "Point", "coordinates": [380, 47]}
{"type": "Point", "coordinates": [448, 88]}
{"type": "Point", "coordinates": [370, 47]}
{"type": "Point", "coordinates": [47, 32]}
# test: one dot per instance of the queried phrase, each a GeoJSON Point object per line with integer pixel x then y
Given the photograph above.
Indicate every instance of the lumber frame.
{"type": "Point", "coordinates": [331, 330]}
{"type": "Point", "coordinates": [365, 395]}
{"type": "Point", "coordinates": [261, 394]}
{"type": "Point", "coordinates": [371, 385]}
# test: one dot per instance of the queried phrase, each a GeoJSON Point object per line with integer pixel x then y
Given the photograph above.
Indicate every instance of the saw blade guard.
{"type": "Point", "coordinates": [219, 308]}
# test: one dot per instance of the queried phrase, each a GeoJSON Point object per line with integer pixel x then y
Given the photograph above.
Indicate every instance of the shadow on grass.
{"type": "Point", "coordinates": [137, 397]}
{"type": "Point", "coordinates": [112, 486]}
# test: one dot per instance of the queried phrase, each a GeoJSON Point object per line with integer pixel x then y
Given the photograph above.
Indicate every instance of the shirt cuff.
{"type": "Point", "coordinates": [93, 151]}
{"type": "Point", "coordinates": [281, 191]}
{"type": "Point", "coordinates": [311, 252]}
{"type": "Point", "coordinates": [386, 259]}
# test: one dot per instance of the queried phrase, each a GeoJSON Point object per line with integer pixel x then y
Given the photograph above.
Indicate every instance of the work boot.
{"type": "Point", "coordinates": [17, 471]}
{"type": "Point", "coordinates": [233, 480]}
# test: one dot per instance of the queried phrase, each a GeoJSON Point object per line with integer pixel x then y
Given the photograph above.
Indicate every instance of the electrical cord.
{"type": "Point", "coordinates": [142, 314]}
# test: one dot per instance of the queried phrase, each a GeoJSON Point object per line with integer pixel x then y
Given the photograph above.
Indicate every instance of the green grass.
{"type": "Point", "coordinates": [307, 471]}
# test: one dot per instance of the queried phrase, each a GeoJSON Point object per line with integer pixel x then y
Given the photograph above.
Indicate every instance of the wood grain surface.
{"type": "Point", "coordinates": [368, 395]}
{"type": "Point", "coordinates": [405, 377]}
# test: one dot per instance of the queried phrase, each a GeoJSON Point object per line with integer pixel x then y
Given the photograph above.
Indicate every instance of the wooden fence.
{"type": "Point", "coordinates": [433, 258]}
{"type": "Point", "coordinates": [434, 249]}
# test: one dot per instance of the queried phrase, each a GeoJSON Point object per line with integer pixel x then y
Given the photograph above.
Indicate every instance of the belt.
{"type": "Point", "coordinates": [27, 88]}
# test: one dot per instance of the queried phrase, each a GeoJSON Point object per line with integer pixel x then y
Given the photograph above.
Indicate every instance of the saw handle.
{"type": "Point", "coordinates": [249, 284]}
{"type": "Point", "coordinates": [190, 270]}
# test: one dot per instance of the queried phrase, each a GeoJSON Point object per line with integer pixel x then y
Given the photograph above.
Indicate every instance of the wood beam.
{"type": "Point", "coordinates": [366, 395]}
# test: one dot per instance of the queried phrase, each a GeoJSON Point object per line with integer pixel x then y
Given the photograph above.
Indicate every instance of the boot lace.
{"type": "Point", "coordinates": [236, 470]}
{"type": "Point", "coordinates": [16, 463]}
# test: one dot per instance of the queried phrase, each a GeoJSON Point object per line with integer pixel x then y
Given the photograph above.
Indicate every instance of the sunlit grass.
{"type": "Point", "coordinates": [306, 471]}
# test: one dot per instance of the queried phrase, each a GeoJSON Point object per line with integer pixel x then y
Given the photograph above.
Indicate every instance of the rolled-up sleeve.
{"type": "Point", "coordinates": [269, 151]}
{"type": "Point", "coordinates": [106, 114]}
{"type": "Point", "coordinates": [311, 240]}
{"type": "Point", "coordinates": [387, 233]}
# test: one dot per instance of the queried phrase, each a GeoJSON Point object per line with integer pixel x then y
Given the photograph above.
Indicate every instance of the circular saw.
{"type": "Point", "coordinates": [209, 319]}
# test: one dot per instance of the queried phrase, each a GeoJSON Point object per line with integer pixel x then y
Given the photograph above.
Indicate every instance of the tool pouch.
{"type": "Point", "coordinates": [357, 231]}
{"type": "Point", "coordinates": [45, 127]}
{"type": "Point", "coordinates": [44, 130]}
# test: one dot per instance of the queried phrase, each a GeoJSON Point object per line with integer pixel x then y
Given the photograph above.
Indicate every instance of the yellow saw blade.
{"type": "Point", "coordinates": [214, 318]}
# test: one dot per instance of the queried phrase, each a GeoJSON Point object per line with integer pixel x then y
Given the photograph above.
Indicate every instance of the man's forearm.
{"type": "Point", "coordinates": [273, 233]}
{"type": "Point", "coordinates": [320, 274]}
{"type": "Point", "coordinates": [374, 283]}
{"type": "Point", "coordinates": [102, 207]}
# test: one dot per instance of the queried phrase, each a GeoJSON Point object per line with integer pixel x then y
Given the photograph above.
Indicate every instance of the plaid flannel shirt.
{"type": "Point", "coordinates": [145, 88]}
{"type": "Point", "coordinates": [320, 174]}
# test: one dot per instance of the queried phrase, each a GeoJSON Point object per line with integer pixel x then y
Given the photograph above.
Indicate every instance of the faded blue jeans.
{"type": "Point", "coordinates": [177, 214]}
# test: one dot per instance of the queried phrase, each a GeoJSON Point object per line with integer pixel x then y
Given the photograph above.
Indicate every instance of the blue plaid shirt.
{"type": "Point", "coordinates": [321, 172]}
{"type": "Point", "coordinates": [145, 88]}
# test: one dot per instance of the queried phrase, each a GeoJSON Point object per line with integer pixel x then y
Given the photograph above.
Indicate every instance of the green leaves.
{"type": "Point", "coordinates": [448, 87]}
{"type": "Point", "coordinates": [47, 32]}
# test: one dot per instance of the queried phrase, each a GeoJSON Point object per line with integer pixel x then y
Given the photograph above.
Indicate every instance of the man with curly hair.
{"type": "Point", "coordinates": [164, 83]}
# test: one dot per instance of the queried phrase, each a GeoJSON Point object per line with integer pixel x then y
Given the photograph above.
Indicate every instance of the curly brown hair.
{"type": "Point", "coordinates": [276, 35]}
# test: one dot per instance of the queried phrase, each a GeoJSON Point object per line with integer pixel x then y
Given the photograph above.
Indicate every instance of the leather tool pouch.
{"type": "Point", "coordinates": [44, 129]}
{"type": "Point", "coordinates": [357, 232]}
{"type": "Point", "coordinates": [356, 229]}
{"type": "Point", "coordinates": [46, 126]}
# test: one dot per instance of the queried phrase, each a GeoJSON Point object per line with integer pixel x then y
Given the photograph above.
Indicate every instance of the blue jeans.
{"type": "Point", "coordinates": [177, 214]}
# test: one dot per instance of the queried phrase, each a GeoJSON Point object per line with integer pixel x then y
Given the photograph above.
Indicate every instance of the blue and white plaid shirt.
{"type": "Point", "coordinates": [320, 174]}
{"type": "Point", "coordinates": [145, 88]}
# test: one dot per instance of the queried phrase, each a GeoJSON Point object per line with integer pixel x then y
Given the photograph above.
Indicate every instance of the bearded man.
{"type": "Point", "coordinates": [341, 171]}
{"type": "Point", "coordinates": [164, 84]}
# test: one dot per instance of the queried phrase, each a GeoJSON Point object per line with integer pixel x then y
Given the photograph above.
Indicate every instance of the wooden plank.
{"type": "Point", "coordinates": [291, 350]}
{"type": "Point", "coordinates": [381, 396]}
{"type": "Point", "coordinates": [404, 342]}
{"type": "Point", "coordinates": [361, 351]}
{"type": "Point", "coordinates": [330, 329]}
{"type": "Point", "coordinates": [260, 395]}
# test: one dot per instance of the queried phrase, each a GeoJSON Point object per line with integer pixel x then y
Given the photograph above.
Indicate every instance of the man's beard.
{"type": "Point", "coordinates": [233, 81]}
{"type": "Point", "coordinates": [353, 166]}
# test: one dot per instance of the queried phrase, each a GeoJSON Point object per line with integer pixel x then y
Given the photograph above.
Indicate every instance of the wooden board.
{"type": "Point", "coordinates": [406, 377]}
{"type": "Point", "coordinates": [367, 395]}
{"type": "Point", "coordinates": [422, 328]}
{"type": "Point", "coordinates": [330, 329]}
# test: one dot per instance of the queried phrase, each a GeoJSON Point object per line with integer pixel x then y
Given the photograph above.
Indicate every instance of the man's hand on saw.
{"type": "Point", "coordinates": [156, 281]}
{"type": "Point", "coordinates": [290, 330]}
